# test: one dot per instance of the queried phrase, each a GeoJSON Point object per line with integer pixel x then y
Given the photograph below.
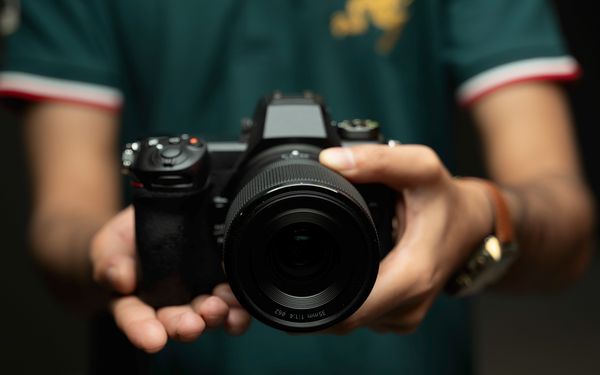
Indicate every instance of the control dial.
{"type": "Point", "coordinates": [160, 163]}
{"type": "Point", "coordinates": [359, 130]}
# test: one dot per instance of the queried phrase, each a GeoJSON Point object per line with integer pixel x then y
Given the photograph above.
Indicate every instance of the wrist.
{"type": "Point", "coordinates": [478, 211]}
{"type": "Point", "coordinates": [496, 250]}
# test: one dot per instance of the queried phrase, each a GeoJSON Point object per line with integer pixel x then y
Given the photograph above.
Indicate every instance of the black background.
{"type": "Point", "coordinates": [552, 334]}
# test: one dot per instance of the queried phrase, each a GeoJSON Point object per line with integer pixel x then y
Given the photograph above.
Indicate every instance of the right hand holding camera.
{"type": "Point", "coordinates": [113, 259]}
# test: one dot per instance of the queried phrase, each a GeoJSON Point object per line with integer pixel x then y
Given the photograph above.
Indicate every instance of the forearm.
{"type": "Point", "coordinates": [530, 148]}
{"type": "Point", "coordinates": [60, 244]}
{"type": "Point", "coordinates": [554, 219]}
{"type": "Point", "coordinates": [75, 185]}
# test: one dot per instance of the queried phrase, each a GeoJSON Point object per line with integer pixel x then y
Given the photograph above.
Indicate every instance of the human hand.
{"type": "Point", "coordinates": [441, 218]}
{"type": "Point", "coordinates": [114, 265]}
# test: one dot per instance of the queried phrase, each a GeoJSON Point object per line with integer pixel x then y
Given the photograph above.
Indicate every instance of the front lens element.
{"type": "Point", "coordinates": [302, 252]}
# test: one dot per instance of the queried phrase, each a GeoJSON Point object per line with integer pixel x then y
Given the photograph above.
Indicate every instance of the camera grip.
{"type": "Point", "coordinates": [177, 257]}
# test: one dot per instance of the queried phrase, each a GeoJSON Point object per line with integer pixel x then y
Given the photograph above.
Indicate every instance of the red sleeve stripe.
{"type": "Point", "coordinates": [563, 68]}
{"type": "Point", "coordinates": [34, 87]}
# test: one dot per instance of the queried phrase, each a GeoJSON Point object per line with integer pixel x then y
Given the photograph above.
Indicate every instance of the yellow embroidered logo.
{"type": "Point", "coordinates": [390, 16]}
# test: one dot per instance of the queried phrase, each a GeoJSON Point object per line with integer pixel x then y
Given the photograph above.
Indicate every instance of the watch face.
{"type": "Point", "coordinates": [492, 246]}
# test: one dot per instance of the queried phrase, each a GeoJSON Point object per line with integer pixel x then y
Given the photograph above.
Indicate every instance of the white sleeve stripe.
{"type": "Point", "coordinates": [551, 67]}
{"type": "Point", "coordinates": [60, 88]}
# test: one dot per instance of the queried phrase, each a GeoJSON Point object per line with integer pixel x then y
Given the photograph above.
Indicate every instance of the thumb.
{"type": "Point", "coordinates": [398, 167]}
{"type": "Point", "coordinates": [113, 253]}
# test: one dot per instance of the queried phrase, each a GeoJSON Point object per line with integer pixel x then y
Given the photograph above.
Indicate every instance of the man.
{"type": "Point", "coordinates": [99, 71]}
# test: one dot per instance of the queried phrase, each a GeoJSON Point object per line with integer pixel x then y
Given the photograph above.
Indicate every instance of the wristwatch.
{"type": "Point", "coordinates": [493, 257]}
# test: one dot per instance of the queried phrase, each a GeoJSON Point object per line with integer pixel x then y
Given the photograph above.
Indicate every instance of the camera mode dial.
{"type": "Point", "coordinates": [161, 163]}
{"type": "Point", "coordinates": [359, 130]}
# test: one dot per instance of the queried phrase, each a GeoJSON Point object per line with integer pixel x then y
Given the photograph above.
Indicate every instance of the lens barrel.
{"type": "Point", "coordinates": [300, 249]}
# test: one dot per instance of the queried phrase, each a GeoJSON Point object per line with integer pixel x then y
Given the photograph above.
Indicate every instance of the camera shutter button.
{"type": "Point", "coordinates": [170, 152]}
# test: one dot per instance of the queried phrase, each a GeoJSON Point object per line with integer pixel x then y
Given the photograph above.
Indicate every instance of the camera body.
{"type": "Point", "coordinates": [300, 245]}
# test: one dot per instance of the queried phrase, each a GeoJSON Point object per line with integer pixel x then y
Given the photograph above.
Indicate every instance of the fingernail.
{"type": "Point", "coordinates": [339, 158]}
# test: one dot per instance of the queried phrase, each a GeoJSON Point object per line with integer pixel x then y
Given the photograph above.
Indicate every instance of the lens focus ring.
{"type": "Point", "coordinates": [291, 171]}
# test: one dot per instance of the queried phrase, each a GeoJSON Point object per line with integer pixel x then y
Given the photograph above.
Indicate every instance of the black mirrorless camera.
{"type": "Point", "coordinates": [300, 245]}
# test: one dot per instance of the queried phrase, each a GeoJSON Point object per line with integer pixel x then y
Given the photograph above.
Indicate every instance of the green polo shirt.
{"type": "Point", "coordinates": [175, 66]}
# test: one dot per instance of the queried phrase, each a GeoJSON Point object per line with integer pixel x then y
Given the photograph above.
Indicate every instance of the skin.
{"type": "Point", "coordinates": [81, 243]}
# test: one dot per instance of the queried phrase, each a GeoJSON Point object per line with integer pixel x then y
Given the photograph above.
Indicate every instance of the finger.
{"type": "Point", "coordinates": [392, 287]}
{"type": "Point", "coordinates": [402, 278]}
{"type": "Point", "coordinates": [139, 323]}
{"type": "Point", "coordinates": [117, 272]}
{"type": "Point", "coordinates": [224, 292]}
{"type": "Point", "coordinates": [181, 322]}
{"type": "Point", "coordinates": [399, 220]}
{"type": "Point", "coordinates": [406, 317]}
{"type": "Point", "coordinates": [211, 308]}
{"type": "Point", "coordinates": [398, 167]}
{"type": "Point", "coordinates": [113, 253]}
{"type": "Point", "coordinates": [405, 279]}
{"type": "Point", "coordinates": [237, 322]}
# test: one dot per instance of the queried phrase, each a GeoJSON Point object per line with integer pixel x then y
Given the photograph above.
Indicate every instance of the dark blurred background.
{"type": "Point", "coordinates": [552, 334]}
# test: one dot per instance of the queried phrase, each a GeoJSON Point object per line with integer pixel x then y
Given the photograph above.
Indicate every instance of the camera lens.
{"type": "Point", "coordinates": [302, 257]}
{"type": "Point", "coordinates": [300, 250]}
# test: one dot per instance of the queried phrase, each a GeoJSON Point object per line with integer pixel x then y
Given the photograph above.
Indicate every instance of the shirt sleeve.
{"type": "Point", "coordinates": [63, 50]}
{"type": "Point", "coordinates": [493, 43]}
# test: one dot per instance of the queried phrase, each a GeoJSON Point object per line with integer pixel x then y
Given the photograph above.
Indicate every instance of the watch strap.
{"type": "Point", "coordinates": [503, 226]}
{"type": "Point", "coordinates": [493, 257]}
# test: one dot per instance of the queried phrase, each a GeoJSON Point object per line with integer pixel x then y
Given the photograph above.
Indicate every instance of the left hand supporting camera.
{"type": "Point", "coordinates": [113, 259]}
